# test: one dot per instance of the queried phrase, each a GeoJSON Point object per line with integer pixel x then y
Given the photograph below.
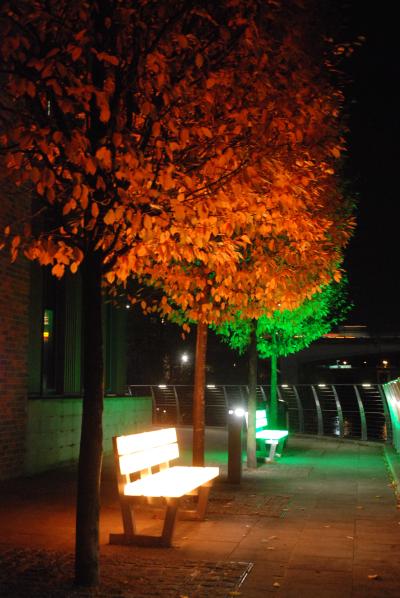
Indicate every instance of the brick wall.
{"type": "Point", "coordinates": [14, 301]}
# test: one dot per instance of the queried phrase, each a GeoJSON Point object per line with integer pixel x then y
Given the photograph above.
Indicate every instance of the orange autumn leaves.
{"type": "Point", "coordinates": [192, 147]}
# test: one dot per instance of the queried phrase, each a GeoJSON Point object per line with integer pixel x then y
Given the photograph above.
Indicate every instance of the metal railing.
{"type": "Point", "coordinates": [357, 411]}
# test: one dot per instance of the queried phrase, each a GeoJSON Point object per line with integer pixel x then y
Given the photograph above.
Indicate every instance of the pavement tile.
{"type": "Point", "coordinates": [331, 530]}
{"type": "Point", "coordinates": [342, 548]}
{"type": "Point", "coordinates": [259, 554]}
{"type": "Point", "coordinates": [296, 520]}
{"type": "Point", "coordinates": [200, 549]}
{"type": "Point", "coordinates": [318, 583]}
{"type": "Point", "coordinates": [320, 563]}
{"type": "Point", "coordinates": [318, 577]}
{"type": "Point", "coordinates": [314, 591]}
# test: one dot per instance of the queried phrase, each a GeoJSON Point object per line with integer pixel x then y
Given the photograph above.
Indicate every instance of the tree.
{"type": "Point", "coordinates": [287, 331]}
{"type": "Point", "coordinates": [140, 129]}
{"type": "Point", "coordinates": [295, 220]}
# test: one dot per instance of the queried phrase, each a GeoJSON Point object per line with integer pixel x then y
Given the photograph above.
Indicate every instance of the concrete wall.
{"type": "Point", "coordinates": [53, 432]}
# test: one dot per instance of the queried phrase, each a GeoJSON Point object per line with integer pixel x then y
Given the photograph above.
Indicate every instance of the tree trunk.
{"type": "Point", "coordinates": [273, 410]}
{"type": "Point", "coordinates": [198, 394]}
{"type": "Point", "coordinates": [91, 449]}
{"type": "Point", "coordinates": [252, 402]}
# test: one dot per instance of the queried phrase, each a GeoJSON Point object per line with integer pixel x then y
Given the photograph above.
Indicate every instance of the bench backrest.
{"type": "Point", "coordinates": [261, 419]}
{"type": "Point", "coordinates": [140, 452]}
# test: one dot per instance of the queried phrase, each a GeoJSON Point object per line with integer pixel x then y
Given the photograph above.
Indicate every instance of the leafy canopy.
{"type": "Point", "coordinates": [289, 331]}
{"type": "Point", "coordinates": [189, 144]}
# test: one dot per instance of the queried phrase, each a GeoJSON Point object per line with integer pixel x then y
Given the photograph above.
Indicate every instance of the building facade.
{"type": "Point", "coordinates": [41, 364]}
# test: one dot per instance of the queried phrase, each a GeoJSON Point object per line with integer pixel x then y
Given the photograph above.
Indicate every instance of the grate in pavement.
{"type": "Point", "coordinates": [38, 573]}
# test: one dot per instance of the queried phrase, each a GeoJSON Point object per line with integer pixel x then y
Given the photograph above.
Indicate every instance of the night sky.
{"type": "Point", "coordinates": [373, 166]}
{"type": "Point", "coordinates": [372, 170]}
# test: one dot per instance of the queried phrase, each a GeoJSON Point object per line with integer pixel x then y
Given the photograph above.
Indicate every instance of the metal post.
{"type": "Point", "coordinates": [300, 410]}
{"type": "Point", "coordinates": [388, 420]}
{"type": "Point", "coordinates": [235, 426]}
{"type": "Point", "coordinates": [178, 411]}
{"type": "Point", "coordinates": [320, 420]}
{"type": "Point", "coordinates": [363, 419]}
{"type": "Point", "coordinates": [339, 411]}
{"type": "Point", "coordinates": [226, 404]}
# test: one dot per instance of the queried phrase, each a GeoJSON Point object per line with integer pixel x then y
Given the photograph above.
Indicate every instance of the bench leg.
{"type": "Point", "coordinates": [128, 521]}
{"type": "Point", "coordinates": [169, 521]}
{"type": "Point", "coordinates": [131, 537]}
{"type": "Point", "coordinates": [280, 447]}
{"type": "Point", "coordinates": [202, 502]}
{"type": "Point", "coordinates": [272, 451]}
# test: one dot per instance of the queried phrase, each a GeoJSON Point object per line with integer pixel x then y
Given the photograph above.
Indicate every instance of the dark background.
{"type": "Point", "coordinates": [373, 168]}
{"type": "Point", "coordinates": [371, 171]}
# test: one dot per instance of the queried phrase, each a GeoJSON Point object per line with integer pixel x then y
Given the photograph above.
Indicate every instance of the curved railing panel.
{"type": "Point", "coordinates": [357, 411]}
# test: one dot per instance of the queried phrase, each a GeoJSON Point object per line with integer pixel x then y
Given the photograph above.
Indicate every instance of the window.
{"type": "Point", "coordinates": [52, 334]}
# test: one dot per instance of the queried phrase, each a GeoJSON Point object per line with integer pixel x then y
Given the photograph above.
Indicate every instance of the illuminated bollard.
{"type": "Point", "coordinates": [235, 426]}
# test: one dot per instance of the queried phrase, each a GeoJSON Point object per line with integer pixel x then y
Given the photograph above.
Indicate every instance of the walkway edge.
{"type": "Point", "coordinates": [393, 463]}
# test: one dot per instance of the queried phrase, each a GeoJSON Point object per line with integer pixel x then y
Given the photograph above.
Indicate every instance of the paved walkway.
{"type": "Point", "coordinates": [320, 522]}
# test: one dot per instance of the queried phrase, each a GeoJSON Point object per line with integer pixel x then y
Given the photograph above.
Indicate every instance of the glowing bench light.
{"type": "Point", "coordinates": [140, 451]}
{"type": "Point", "coordinates": [271, 434]}
{"type": "Point", "coordinates": [271, 437]}
{"type": "Point", "coordinates": [173, 482]}
{"type": "Point", "coordinates": [144, 475]}
{"type": "Point", "coordinates": [261, 418]}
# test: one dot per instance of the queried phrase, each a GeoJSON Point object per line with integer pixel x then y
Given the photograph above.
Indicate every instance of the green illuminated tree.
{"type": "Point", "coordinates": [285, 332]}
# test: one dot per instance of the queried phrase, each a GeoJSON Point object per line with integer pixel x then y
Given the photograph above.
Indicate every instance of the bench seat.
{"type": "Point", "coordinates": [172, 482]}
{"type": "Point", "coordinates": [271, 435]}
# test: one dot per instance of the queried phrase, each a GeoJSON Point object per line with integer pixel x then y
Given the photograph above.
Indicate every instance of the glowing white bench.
{"type": "Point", "coordinates": [144, 475]}
{"type": "Point", "coordinates": [265, 436]}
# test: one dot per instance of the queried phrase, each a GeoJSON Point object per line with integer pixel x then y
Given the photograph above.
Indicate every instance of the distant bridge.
{"type": "Point", "coordinates": [334, 347]}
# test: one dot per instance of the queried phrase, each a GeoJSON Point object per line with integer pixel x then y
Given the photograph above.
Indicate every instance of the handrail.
{"type": "Point", "coordinates": [357, 411]}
